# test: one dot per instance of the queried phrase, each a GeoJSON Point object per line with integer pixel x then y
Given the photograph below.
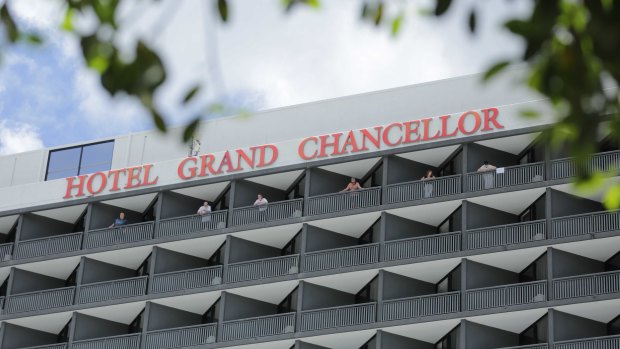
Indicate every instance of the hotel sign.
{"type": "Point", "coordinates": [311, 148]}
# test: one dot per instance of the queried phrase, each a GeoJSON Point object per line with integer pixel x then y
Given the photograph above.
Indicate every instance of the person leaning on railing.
{"type": "Point", "coordinates": [353, 186]}
{"type": "Point", "coordinates": [205, 212]}
{"type": "Point", "coordinates": [261, 202]}
{"type": "Point", "coordinates": [428, 186]}
{"type": "Point", "coordinates": [120, 221]}
{"type": "Point", "coordinates": [487, 177]}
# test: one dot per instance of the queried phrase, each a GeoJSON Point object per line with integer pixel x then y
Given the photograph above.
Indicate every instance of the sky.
{"type": "Point", "coordinates": [262, 58]}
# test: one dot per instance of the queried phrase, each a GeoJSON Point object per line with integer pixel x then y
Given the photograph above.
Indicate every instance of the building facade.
{"type": "Point", "coordinates": [102, 246]}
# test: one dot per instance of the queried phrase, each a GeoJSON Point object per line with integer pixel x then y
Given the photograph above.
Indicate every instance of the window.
{"type": "Point", "coordinates": [450, 283]}
{"type": "Point", "coordinates": [534, 211]}
{"type": "Point", "coordinates": [217, 258]}
{"type": "Point", "coordinates": [375, 178]}
{"type": "Point", "coordinates": [368, 293]}
{"type": "Point", "coordinates": [535, 271]}
{"type": "Point", "coordinates": [79, 160]}
{"type": "Point", "coordinates": [452, 223]}
{"type": "Point", "coordinates": [293, 246]}
{"type": "Point", "coordinates": [453, 166]}
{"type": "Point", "coordinates": [371, 344]}
{"type": "Point", "coordinates": [211, 315]}
{"type": "Point", "coordinates": [72, 279]}
{"type": "Point", "coordinates": [537, 333]}
{"type": "Point", "coordinates": [63, 335]}
{"type": "Point", "coordinates": [222, 202]}
{"type": "Point", "coordinates": [613, 263]}
{"type": "Point", "coordinates": [289, 304]}
{"type": "Point", "coordinates": [136, 325]}
{"type": "Point", "coordinates": [368, 236]}
{"type": "Point", "coordinates": [297, 191]}
{"type": "Point", "coordinates": [450, 341]}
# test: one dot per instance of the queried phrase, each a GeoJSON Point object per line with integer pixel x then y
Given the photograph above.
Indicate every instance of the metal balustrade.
{"type": "Point", "coordinates": [423, 189]}
{"type": "Point", "coordinates": [261, 326]}
{"type": "Point", "coordinates": [604, 162]}
{"type": "Point", "coordinates": [181, 336]}
{"type": "Point", "coordinates": [39, 300]}
{"type": "Point", "coordinates": [191, 224]}
{"type": "Point", "coordinates": [432, 304]}
{"type": "Point", "coordinates": [338, 202]}
{"type": "Point", "coordinates": [48, 245]}
{"type": "Point", "coordinates": [586, 285]}
{"type": "Point", "coordinates": [604, 342]}
{"type": "Point", "coordinates": [341, 257]}
{"type": "Point", "coordinates": [511, 175]}
{"type": "Point", "coordinates": [421, 246]}
{"type": "Point", "coordinates": [586, 223]}
{"type": "Point", "coordinates": [1, 303]}
{"type": "Point", "coordinates": [6, 251]}
{"type": "Point", "coordinates": [530, 346]}
{"type": "Point", "coordinates": [263, 268]}
{"type": "Point", "coordinates": [502, 235]}
{"type": "Point", "coordinates": [127, 341]}
{"type": "Point", "coordinates": [348, 315]}
{"type": "Point", "coordinates": [186, 279]}
{"type": "Point", "coordinates": [118, 235]}
{"type": "Point", "coordinates": [49, 346]}
{"type": "Point", "coordinates": [274, 211]}
{"type": "Point", "coordinates": [506, 295]}
{"type": "Point", "coordinates": [115, 289]}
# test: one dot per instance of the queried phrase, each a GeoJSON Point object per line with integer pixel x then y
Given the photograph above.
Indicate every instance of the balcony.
{"type": "Point", "coordinates": [39, 300]}
{"type": "Point", "coordinates": [127, 341]}
{"type": "Point", "coordinates": [341, 257]}
{"type": "Point", "coordinates": [411, 307]}
{"type": "Point", "coordinates": [605, 342]}
{"type": "Point", "coordinates": [263, 268]}
{"type": "Point", "coordinates": [116, 289]}
{"type": "Point", "coordinates": [338, 202]}
{"type": "Point", "coordinates": [506, 295]}
{"type": "Point", "coordinates": [348, 315]}
{"type": "Point", "coordinates": [586, 223]}
{"type": "Point", "coordinates": [512, 175]}
{"type": "Point", "coordinates": [6, 251]}
{"type": "Point", "coordinates": [565, 168]}
{"type": "Point", "coordinates": [181, 336]}
{"type": "Point", "coordinates": [49, 346]}
{"type": "Point", "coordinates": [118, 235]}
{"type": "Point", "coordinates": [261, 326]}
{"type": "Point", "coordinates": [48, 245]}
{"type": "Point", "coordinates": [586, 285]}
{"type": "Point", "coordinates": [421, 246]}
{"type": "Point", "coordinates": [276, 211]}
{"type": "Point", "coordinates": [530, 346]}
{"type": "Point", "coordinates": [191, 224]}
{"type": "Point", "coordinates": [418, 190]}
{"type": "Point", "coordinates": [503, 235]}
{"type": "Point", "coordinates": [186, 279]}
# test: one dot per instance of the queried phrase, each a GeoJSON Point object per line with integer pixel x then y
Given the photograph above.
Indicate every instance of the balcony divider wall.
{"type": "Point", "coordinates": [387, 340]}
{"type": "Point", "coordinates": [14, 337]}
{"type": "Point", "coordinates": [477, 336]}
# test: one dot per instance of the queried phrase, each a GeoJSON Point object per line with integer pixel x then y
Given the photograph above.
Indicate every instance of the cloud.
{"type": "Point", "coordinates": [18, 137]}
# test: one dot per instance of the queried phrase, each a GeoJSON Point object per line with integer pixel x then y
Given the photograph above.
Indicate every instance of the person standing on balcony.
{"type": "Point", "coordinates": [261, 203]}
{"type": "Point", "coordinates": [205, 212]}
{"type": "Point", "coordinates": [428, 186]}
{"type": "Point", "coordinates": [352, 186]}
{"type": "Point", "coordinates": [488, 177]}
{"type": "Point", "coordinates": [120, 221]}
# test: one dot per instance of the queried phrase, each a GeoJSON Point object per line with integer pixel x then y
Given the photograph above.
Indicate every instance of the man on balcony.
{"type": "Point", "coordinates": [205, 212]}
{"type": "Point", "coordinates": [489, 177]}
{"type": "Point", "coordinates": [120, 221]}
{"type": "Point", "coordinates": [261, 203]}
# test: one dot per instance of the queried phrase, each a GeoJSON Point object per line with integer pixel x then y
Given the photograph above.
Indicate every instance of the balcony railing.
{"type": "Point", "coordinates": [606, 162]}
{"type": "Point", "coordinates": [48, 245]}
{"type": "Point", "coordinates": [506, 295]}
{"type": "Point", "coordinates": [263, 268]}
{"type": "Point", "coordinates": [191, 224]}
{"type": "Point", "coordinates": [274, 211]}
{"type": "Point", "coordinates": [127, 341]}
{"type": "Point", "coordinates": [6, 251]}
{"type": "Point", "coordinates": [115, 289]}
{"type": "Point", "coordinates": [586, 223]}
{"type": "Point", "coordinates": [606, 342]}
{"type": "Point", "coordinates": [39, 300]}
{"type": "Point", "coordinates": [49, 346]}
{"type": "Point", "coordinates": [338, 202]}
{"type": "Point", "coordinates": [187, 279]}
{"type": "Point", "coordinates": [348, 315]}
{"type": "Point", "coordinates": [503, 235]}
{"type": "Point", "coordinates": [261, 326]}
{"type": "Point", "coordinates": [586, 285]}
{"type": "Point", "coordinates": [512, 175]}
{"type": "Point", "coordinates": [423, 189]}
{"type": "Point", "coordinates": [118, 235]}
{"type": "Point", "coordinates": [530, 346]}
{"type": "Point", "coordinates": [181, 336]}
{"type": "Point", "coordinates": [433, 304]}
{"type": "Point", "coordinates": [421, 246]}
{"type": "Point", "coordinates": [341, 257]}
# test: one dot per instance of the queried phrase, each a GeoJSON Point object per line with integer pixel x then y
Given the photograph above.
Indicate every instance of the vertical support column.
{"type": "Point", "coordinates": [382, 232]}
{"type": "Point", "coordinates": [464, 209]}
{"type": "Point", "coordinates": [18, 232]}
{"type": "Point", "coordinates": [226, 259]}
{"type": "Point", "coordinates": [299, 306]}
{"type": "Point", "coordinates": [78, 279]}
{"type": "Point", "coordinates": [71, 335]}
{"type": "Point", "coordinates": [550, 295]}
{"type": "Point", "coordinates": [153, 258]}
{"type": "Point", "coordinates": [302, 247]}
{"type": "Point", "coordinates": [384, 178]}
{"type": "Point", "coordinates": [88, 217]}
{"type": "Point", "coordinates": [463, 335]}
{"type": "Point", "coordinates": [380, 287]}
{"type": "Point", "coordinates": [9, 286]}
{"type": "Point", "coordinates": [220, 317]}
{"type": "Point", "coordinates": [307, 190]}
{"type": "Point", "coordinates": [231, 203]}
{"type": "Point", "coordinates": [464, 164]}
{"type": "Point", "coordinates": [547, 159]}
{"type": "Point", "coordinates": [157, 213]}
{"type": "Point", "coordinates": [548, 213]}
{"type": "Point", "coordinates": [145, 324]}
{"type": "Point", "coordinates": [550, 328]}
{"type": "Point", "coordinates": [463, 284]}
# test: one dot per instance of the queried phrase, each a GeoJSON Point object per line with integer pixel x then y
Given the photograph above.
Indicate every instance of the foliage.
{"type": "Point", "coordinates": [572, 50]}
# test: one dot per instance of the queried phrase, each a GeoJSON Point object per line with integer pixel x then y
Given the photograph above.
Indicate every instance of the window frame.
{"type": "Point", "coordinates": [79, 164]}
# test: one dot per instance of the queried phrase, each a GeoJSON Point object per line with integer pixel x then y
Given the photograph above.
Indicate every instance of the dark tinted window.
{"type": "Point", "coordinates": [75, 161]}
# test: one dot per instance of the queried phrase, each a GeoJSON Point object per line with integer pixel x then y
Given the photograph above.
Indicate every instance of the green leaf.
{"type": "Point", "coordinates": [159, 121]}
{"type": "Point", "coordinates": [530, 114]}
{"type": "Point", "coordinates": [442, 6]}
{"type": "Point", "coordinates": [612, 198]}
{"type": "Point", "coordinates": [190, 130]}
{"type": "Point", "coordinates": [314, 3]}
{"type": "Point", "coordinates": [396, 24]}
{"type": "Point", "coordinates": [495, 69]}
{"type": "Point", "coordinates": [67, 23]}
{"type": "Point", "coordinates": [222, 8]}
{"type": "Point", "coordinates": [191, 94]}
{"type": "Point", "coordinates": [9, 24]}
{"type": "Point", "coordinates": [378, 14]}
{"type": "Point", "coordinates": [472, 21]}
{"type": "Point", "coordinates": [33, 39]}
